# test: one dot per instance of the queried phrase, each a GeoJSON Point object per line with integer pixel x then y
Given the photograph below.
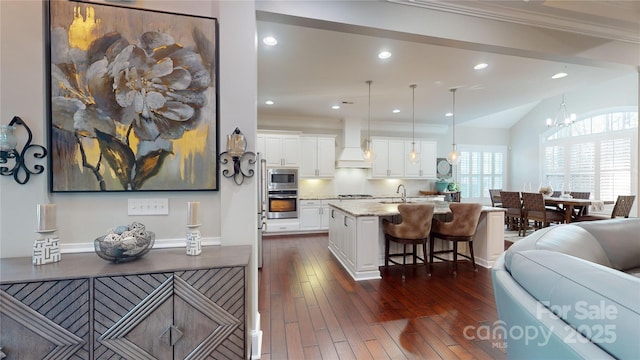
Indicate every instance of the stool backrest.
{"type": "Point", "coordinates": [416, 221]}
{"type": "Point", "coordinates": [465, 220]}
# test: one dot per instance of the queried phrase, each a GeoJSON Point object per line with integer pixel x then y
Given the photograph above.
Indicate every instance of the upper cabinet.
{"type": "Point", "coordinates": [392, 160]}
{"type": "Point", "coordinates": [388, 158]}
{"type": "Point", "coordinates": [318, 155]}
{"type": "Point", "coordinates": [280, 150]}
{"type": "Point", "coordinates": [426, 167]}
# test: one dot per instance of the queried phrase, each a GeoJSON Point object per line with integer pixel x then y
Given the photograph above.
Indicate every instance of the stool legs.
{"type": "Point", "coordinates": [454, 252]}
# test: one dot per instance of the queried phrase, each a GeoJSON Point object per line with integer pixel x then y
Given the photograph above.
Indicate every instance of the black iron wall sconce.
{"type": "Point", "coordinates": [9, 152]}
{"type": "Point", "coordinates": [242, 159]}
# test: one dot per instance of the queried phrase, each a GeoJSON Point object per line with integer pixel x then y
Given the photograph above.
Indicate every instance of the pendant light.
{"type": "Point", "coordinates": [561, 119]}
{"type": "Point", "coordinates": [454, 157]}
{"type": "Point", "coordinates": [367, 153]}
{"type": "Point", "coordinates": [414, 156]}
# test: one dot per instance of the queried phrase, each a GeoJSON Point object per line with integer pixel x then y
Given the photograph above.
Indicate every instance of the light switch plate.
{"type": "Point", "coordinates": [148, 207]}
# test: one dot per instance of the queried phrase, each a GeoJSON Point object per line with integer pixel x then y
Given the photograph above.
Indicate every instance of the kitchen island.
{"type": "Point", "coordinates": [357, 241]}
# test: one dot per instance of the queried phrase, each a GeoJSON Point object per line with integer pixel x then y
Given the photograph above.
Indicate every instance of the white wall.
{"type": "Point", "coordinates": [524, 154]}
{"type": "Point", "coordinates": [84, 216]}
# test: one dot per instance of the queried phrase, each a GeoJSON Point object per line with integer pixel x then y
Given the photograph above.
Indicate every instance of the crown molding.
{"type": "Point", "coordinates": [548, 19]}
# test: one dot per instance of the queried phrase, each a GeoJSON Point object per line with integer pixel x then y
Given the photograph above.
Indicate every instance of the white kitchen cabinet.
{"type": "Point", "coordinates": [426, 167]}
{"type": "Point", "coordinates": [354, 243]}
{"type": "Point", "coordinates": [388, 159]}
{"type": "Point", "coordinates": [314, 215]}
{"type": "Point", "coordinates": [282, 150]}
{"type": "Point", "coordinates": [282, 225]}
{"type": "Point", "coordinates": [318, 155]}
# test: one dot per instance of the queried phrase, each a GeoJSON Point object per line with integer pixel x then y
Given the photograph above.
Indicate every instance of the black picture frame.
{"type": "Point", "coordinates": [132, 99]}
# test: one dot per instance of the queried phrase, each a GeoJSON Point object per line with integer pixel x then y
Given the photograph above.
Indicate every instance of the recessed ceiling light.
{"type": "Point", "coordinates": [559, 75]}
{"type": "Point", "coordinates": [335, 107]}
{"type": "Point", "coordinates": [269, 102]}
{"type": "Point", "coordinates": [270, 40]}
{"type": "Point", "coordinates": [480, 66]}
{"type": "Point", "coordinates": [395, 111]}
{"type": "Point", "coordinates": [448, 114]}
{"type": "Point", "coordinates": [384, 54]}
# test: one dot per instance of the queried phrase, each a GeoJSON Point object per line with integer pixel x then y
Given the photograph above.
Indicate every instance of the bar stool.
{"type": "Point", "coordinates": [461, 229]}
{"type": "Point", "coordinates": [413, 230]}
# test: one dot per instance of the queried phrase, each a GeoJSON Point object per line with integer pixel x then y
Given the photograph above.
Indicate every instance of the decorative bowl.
{"type": "Point", "coordinates": [121, 245]}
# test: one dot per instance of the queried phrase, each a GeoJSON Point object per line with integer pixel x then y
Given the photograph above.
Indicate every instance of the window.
{"type": "Point", "coordinates": [481, 168]}
{"type": "Point", "coordinates": [594, 154]}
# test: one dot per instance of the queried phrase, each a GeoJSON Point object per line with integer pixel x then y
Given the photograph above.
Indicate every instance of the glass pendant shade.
{"type": "Point", "coordinates": [367, 153]}
{"type": "Point", "coordinates": [414, 156]}
{"type": "Point", "coordinates": [454, 156]}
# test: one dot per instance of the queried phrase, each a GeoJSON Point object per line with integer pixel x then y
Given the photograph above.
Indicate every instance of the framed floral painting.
{"type": "Point", "coordinates": [132, 99]}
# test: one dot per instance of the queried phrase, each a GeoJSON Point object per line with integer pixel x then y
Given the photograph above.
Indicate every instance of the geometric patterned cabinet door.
{"type": "Point", "coordinates": [195, 314]}
{"type": "Point", "coordinates": [45, 320]}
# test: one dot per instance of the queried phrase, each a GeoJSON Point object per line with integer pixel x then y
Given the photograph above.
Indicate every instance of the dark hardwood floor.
{"type": "Point", "coordinates": [311, 308]}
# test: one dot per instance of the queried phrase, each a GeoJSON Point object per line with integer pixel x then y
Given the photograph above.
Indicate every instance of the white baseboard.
{"type": "Point", "coordinates": [256, 340]}
{"type": "Point", "coordinates": [159, 244]}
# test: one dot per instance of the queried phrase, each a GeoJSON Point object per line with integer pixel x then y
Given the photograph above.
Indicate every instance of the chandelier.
{"type": "Point", "coordinates": [563, 117]}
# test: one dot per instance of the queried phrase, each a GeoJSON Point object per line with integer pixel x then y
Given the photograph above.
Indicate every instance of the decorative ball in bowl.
{"type": "Point", "coordinates": [125, 243]}
{"type": "Point", "coordinates": [546, 190]}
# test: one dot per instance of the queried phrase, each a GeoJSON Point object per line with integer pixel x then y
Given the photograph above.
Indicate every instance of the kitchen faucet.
{"type": "Point", "coordinates": [404, 192]}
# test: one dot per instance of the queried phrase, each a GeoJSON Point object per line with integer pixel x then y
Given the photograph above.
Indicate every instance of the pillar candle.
{"type": "Point", "coordinates": [192, 213]}
{"type": "Point", "coordinates": [46, 217]}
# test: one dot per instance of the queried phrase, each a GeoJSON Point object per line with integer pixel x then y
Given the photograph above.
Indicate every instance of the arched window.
{"type": "Point", "coordinates": [596, 153]}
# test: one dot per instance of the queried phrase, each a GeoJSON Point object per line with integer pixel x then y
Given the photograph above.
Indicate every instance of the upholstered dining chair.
{"type": "Point", "coordinates": [461, 229]}
{"type": "Point", "coordinates": [533, 209]}
{"type": "Point", "coordinates": [494, 194]}
{"type": "Point", "coordinates": [512, 202]}
{"type": "Point", "coordinates": [622, 208]}
{"type": "Point", "coordinates": [413, 230]}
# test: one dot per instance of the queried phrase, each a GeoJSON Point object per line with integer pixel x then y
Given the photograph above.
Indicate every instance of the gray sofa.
{"type": "Point", "coordinates": [571, 292]}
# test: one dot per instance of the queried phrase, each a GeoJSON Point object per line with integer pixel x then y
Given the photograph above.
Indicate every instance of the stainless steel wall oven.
{"type": "Point", "coordinates": [282, 204]}
{"type": "Point", "coordinates": [282, 198]}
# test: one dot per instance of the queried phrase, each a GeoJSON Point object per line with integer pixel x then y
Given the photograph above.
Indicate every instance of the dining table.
{"type": "Point", "coordinates": [569, 203]}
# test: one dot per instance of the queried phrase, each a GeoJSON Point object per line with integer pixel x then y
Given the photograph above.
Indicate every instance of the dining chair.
{"type": "Point", "coordinates": [580, 210]}
{"type": "Point", "coordinates": [413, 230]}
{"type": "Point", "coordinates": [622, 208]}
{"type": "Point", "coordinates": [461, 228]}
{"type": "Point", "coordinates": [494, 194]}
{"type": "Point", "coordinates": [533, 209]}
{"type": "Point", "coordinates": [513, 204]}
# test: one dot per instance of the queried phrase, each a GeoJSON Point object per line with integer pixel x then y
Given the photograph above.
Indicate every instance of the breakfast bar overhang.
{"type": "Point", "coordinates": [357, 241]}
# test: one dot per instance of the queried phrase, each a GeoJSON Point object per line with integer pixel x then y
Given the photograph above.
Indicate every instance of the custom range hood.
{"type": "Point", "coordinates": [351, 155]}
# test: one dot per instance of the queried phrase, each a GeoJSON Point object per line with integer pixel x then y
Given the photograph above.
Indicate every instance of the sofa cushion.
{"type": "Point", "coordinates": [568, 239]}
{"type": "Point", "coordinates": [601, 303]}
{"type": "Point", "coordinates": [620, 239]}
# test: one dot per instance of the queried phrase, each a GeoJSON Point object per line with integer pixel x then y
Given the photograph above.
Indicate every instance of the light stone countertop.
{"type": "Point", "coordinates": [392, 196]}
{"type": "Point", "coordinates": [377, 208]}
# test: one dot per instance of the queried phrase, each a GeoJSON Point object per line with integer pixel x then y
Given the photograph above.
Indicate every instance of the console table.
{"type": "Point", "coordinates": [165, 305]}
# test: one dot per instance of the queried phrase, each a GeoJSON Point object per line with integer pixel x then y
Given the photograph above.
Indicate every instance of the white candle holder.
{"type": "Point", "coordinates": [194, 240]}
{"type": "Point", "coordinates": [46, 248]}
